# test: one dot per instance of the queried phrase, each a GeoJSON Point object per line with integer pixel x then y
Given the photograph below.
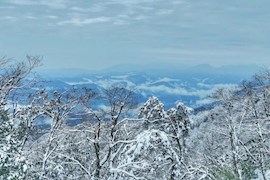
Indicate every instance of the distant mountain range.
{"type": "Point", "coordinates": [171, 84]}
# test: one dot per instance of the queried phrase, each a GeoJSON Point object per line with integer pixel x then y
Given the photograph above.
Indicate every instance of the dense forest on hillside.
{"type": "Point", "coordinates": [228, 141]}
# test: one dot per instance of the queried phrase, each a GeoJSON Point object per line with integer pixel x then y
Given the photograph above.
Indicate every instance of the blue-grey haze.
{"type": "Point", "coordinates": [97, 34]}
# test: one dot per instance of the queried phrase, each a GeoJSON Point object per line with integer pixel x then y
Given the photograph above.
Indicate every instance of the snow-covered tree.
{"type": "Point", "coordinates": [179, 125]}
{"type": "Point", "coordinates": [229, 141]}
{"type": "Point", "coordinates": [153, 113]}
{"type": "Point", "coordinates": [57, 108]}
{"type": "Point", "coordinates": [15, 124]}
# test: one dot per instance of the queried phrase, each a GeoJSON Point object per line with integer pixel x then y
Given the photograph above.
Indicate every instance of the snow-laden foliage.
{"type": "Point", "coordinates": [152, 111]}
{"type": "Point", "coordinates": [15, 122]}
{"type": "Point", "coordinates": [150, 155]}
{"type": "Point", "coordinates": [12, 162]}
{"type": "Point", "coordinates": [229, 141]}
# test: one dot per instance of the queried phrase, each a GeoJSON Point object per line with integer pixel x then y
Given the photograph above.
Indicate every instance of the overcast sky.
{"type": "Point", "coordinates": [97, 34]}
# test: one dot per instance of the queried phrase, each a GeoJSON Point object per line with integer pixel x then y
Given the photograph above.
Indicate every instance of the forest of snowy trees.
{"type": "Point", "coordinates": [228, 141]}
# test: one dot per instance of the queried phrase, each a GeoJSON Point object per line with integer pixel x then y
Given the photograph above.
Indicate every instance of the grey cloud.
{"type": "Point", "coordinates": [84, 21]}
{"type": "Point", "coordinates": [50, 3]}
